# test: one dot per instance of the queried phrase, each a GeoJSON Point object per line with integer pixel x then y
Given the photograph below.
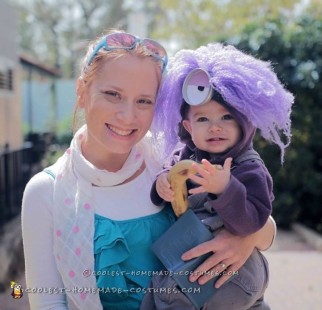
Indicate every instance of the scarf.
{"type": "Point", "coordinates": [73, 214]}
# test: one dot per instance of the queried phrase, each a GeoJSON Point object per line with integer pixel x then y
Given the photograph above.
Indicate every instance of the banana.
{"type": "Point", "coordinates": [177, 178]}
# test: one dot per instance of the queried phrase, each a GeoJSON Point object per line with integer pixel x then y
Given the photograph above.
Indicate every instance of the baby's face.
{"type": "Point", "coordinates": [212, 128]}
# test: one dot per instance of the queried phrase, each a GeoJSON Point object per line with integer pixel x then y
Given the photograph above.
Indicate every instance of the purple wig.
{"type": "Point", "coordinates": [249, 85]}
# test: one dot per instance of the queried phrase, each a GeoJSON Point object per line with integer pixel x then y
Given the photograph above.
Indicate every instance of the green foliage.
{"type": "Point", "coordinates": [56, 32]}
{"type": "Point", "coordinates": [64, 133]}
{"type": "Point", "coordinates": [295, 50]}
{"type": "Point", "coordinates": [191, 23]}
{"type": "Point", "coordinates": [51, 156]}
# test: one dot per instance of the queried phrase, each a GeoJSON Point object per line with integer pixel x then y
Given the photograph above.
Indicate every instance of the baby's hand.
{"type": "Point", "coordinates": [211, 178]}
{"type": "Point", "coordinates": [163, 187]}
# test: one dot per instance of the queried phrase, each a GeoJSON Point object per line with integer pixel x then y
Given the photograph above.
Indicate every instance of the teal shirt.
{"type": "Point", "coordinates": [124, 261]}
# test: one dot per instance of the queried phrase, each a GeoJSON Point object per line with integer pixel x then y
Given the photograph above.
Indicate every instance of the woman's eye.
{"type": "Point", "coordinates": [145, 101]}
{"type": "Point", "coordinates": [113, 95]}
{"type": "Point", "coordinates": [227, 117]}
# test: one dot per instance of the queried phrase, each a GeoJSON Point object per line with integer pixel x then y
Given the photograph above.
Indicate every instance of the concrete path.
{"type": "Point", "coordinates": [295, 274]}
{"type": "Point", "coordinates": [295, 277]}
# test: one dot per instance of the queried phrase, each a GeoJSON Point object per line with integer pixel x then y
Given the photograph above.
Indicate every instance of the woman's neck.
{"type": "Point", "coordinates": [104, 161]}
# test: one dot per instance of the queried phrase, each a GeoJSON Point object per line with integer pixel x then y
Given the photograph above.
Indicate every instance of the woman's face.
{"type": "Point", "coordinates": [119, 106]}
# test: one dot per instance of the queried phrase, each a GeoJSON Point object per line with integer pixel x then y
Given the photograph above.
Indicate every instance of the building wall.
{"type": "Point", "coordinates": [43, 110]}
{"type": "Point", "coordinates": [10, 102]}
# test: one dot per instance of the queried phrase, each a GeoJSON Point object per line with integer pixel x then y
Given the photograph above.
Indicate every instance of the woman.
{"type": "Point", "coordinates": [94, 219]}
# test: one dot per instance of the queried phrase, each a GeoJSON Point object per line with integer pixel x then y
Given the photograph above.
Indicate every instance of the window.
{"type": "Point", "coordinates": [6, 79]}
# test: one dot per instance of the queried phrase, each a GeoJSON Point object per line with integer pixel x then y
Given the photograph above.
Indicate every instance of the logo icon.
{"type": "Point", "coordinates": [16, 290]}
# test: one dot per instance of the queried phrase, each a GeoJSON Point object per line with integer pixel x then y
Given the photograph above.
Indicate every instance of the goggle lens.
{"type": "Point", "coordinates": [120, 40]}
{"type": "Point", "coordinates": [196, 88]}
{"type": "Point", "coordinates": [156, 48]}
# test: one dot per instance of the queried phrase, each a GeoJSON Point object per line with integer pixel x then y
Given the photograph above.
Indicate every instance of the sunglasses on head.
{"type": "Point", "coordinates": [126, 41]}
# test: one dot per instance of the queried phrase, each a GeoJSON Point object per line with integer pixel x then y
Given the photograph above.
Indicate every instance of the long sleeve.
{"type": "Point", "coordinates": [37, 230]}
{"type": "Point", "coordinates": [246, 203]}
{"type": "Point", "coordinates": [155, 198]}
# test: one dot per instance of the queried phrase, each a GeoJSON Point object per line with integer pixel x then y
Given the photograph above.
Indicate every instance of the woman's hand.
{"type": "Point", "coordinates": [230, 252]}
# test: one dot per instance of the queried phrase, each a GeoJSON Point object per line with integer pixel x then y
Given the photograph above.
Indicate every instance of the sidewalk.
{"type": "Point", "coordinates": [295, 274]}
{"type": "Point", "coordinates": [295, 277]}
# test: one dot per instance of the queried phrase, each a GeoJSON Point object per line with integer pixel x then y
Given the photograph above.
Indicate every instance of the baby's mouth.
{"type": "Point", "coordinates": [215, 139]}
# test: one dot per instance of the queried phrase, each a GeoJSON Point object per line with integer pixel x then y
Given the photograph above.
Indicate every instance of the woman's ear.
{"type": "Point", "coordinates": [187, 126]}
{"type": "Point", "coordinates": [80, 91]}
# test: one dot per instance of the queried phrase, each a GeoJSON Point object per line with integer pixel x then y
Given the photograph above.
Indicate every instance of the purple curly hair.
{"type": "Point", "coordinates": [247, 84]}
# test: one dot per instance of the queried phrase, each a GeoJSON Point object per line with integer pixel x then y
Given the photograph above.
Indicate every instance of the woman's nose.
{"type": "Point", "coordinates": [126, 113]}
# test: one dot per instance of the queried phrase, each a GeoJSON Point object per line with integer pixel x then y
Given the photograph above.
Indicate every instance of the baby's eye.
{"type": "Point", "coordinates": [202, 119]}
{"type": "Point", "coordinates": [227, 117]}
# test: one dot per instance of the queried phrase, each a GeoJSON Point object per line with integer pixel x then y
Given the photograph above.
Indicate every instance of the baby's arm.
{"type": "Point", "coordinates": [163, 187]}
{"type": "Point", "coordinates": [246, 202]}
{"type": "Point", "coordinates": [161, 191]}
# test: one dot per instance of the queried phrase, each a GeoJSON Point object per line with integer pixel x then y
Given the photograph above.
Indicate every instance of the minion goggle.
{"type": "Point", "coordinates": [196, 87]}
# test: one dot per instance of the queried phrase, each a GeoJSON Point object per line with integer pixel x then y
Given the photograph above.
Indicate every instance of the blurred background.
{"type": "Point", "coordinates": [41, 45]}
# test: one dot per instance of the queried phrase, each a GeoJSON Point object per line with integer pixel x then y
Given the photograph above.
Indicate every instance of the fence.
{"type": "Point", "coordinates": [15, 171]}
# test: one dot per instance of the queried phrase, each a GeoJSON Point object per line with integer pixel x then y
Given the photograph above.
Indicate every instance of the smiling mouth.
{"type": "Point", "coordinates": [120, 132]}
